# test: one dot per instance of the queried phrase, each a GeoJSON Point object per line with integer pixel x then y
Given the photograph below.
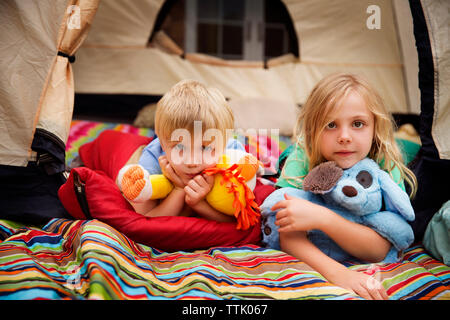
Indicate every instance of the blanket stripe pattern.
{"type": "Point", "coordinates": [87, 259]}
{"type": "Point", "coordinates": [83, 131]}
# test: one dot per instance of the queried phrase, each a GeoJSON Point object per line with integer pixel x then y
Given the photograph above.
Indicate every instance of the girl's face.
{"type": "Point", "coordinates": [348, 135]}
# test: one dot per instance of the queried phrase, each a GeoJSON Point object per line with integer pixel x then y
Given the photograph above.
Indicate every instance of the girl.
{"type": "Point", "coordinates": [343, 120]}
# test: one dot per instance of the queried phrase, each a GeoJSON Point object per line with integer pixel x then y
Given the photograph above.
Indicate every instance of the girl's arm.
{"type": "Point", "coordinates": [296, 244]}
{"type": "Point", "coordinates": [358, 240]}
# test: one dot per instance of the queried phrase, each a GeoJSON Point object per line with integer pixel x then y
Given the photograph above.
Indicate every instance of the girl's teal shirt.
{"type": "Point", "coordinates": [296, 168]}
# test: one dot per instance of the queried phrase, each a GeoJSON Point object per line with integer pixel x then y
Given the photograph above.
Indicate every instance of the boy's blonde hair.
{"type": "Point", "coordinates": [321, 102]}
{"type": "Point", "coordinates": [189, 101]}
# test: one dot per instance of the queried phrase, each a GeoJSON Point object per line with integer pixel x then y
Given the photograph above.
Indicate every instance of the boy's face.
{"type": "Point", "coordinates": [189, 156]}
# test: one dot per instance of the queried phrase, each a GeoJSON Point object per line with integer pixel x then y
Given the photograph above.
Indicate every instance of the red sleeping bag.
{"type": "Point", "coordinates": [91, 193]}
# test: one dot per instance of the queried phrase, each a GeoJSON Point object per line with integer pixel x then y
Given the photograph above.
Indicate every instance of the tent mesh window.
{"type": "Point", "coordinates": [251, 30]}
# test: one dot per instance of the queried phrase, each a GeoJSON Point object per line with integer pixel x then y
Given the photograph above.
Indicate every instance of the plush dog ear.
{"type": "Point", "coordinates": [322, 178]}
{"type": "Point", "coordinates": [395, 199]}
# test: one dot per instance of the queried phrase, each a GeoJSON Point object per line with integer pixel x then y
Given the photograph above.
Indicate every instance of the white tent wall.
{"type": "Point", "coordinates": [402, 15]}
{"type": "Point", "coordinates": [333, 36]}
{"type": "Point", "coordinates": [36, 82]}
{"type": "Point", "coordinates": [25, 63]}
{"type": "Point", "coordinates": [123, 23]}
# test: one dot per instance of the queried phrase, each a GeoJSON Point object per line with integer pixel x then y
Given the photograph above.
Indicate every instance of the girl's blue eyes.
{"type": "Point", "coordinates": [355, 124]}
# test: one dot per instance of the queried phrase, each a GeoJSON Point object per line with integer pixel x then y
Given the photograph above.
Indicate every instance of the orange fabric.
{"type": "Point", "coordinates": [248, 166]}
{"type": "Point", "coordinates": [133, 182]}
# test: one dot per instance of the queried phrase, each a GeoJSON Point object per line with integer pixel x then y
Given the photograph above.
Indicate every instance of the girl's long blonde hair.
{"type": "Point", "coordinates": [322, 101]}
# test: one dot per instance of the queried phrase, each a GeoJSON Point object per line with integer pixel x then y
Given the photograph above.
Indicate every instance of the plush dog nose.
{"type": "Point", "coordinates": [349, 191]}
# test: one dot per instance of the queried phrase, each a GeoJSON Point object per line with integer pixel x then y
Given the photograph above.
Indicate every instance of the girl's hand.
{"type": "Point", "coordinates": [197, 189]}
{"type": "Point", "coordinates": [170, 174]}
{"type": "Point", "coordinates": [360, 283]}
{"type": "Point", "coordinates": [298, 214]}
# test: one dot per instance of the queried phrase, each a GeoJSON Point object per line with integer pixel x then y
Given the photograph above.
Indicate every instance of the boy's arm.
{"type": "Point", "coordinates": [206, 211]}
{"type": "Point", "coordinates": [172, 205]}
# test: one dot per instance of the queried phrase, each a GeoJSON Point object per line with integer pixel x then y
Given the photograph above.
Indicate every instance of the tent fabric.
{"type": "Point", "coordinates": [124, 23]}
{"type": "Point", "coordinates": [437, 19]}
{"type": "Point", "coordinates": [25, 64]}
{"type": "Point", "coordinates": [431, 169]}
{"type": "Point", "coordinates": [37, 40]}
{"type": "Point", "coordinates": [37, 83]}
{"type": "Point", "coordinates": [323, 25]}
{"type": "Point", "coordinates": [333, 36]}
{"type": "Point", "coordinates": [151, 71]}
{"type": "Point", "coordinates": [56, 104]}
{"type": "Point", "coordinates": [402, 15]}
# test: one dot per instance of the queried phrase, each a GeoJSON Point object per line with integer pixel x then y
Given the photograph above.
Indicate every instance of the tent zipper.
{"type": "Point", "coordinates": [80, 192]}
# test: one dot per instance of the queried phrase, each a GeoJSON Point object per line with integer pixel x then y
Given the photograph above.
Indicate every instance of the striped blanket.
{"type": "Point", "coordinates": [67, 259]}
{"type": "Point", "coordinates": [83, 131]}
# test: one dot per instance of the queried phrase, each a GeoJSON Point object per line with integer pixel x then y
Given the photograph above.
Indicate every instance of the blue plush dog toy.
{"type": "Point", "coordinates": [356, 194]}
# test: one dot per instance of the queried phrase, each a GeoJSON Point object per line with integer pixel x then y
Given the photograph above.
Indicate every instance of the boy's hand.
{"type": "Point", "coordinates": [197, 189]}
{"type": "Point", "coordinates": [297, 214]}
{"type": "Point", "coordinates": [170, 174]}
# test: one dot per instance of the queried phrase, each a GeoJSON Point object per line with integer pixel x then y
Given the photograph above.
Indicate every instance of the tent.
{"type": "Point", "coordinates": [390, 42]}
{"type": "Point", "coordinates": [36, 102]}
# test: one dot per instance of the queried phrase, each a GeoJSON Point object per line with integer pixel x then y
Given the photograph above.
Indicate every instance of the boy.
{"type": "Point", "coordinates": [191, 122]}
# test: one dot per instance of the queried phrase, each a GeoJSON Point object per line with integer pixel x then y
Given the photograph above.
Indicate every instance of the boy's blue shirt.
{"type": "Point", "coordinates": [151, 153]}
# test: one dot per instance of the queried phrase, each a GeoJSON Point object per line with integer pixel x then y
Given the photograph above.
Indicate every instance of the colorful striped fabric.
{"type": "Point", "coordinates": [90, 260]}
{"type": "Point", "coordinates": [83, 131]}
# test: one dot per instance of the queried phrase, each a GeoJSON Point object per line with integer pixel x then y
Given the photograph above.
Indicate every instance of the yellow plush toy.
{"type": "Point", "coordinates": [231, 194]}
